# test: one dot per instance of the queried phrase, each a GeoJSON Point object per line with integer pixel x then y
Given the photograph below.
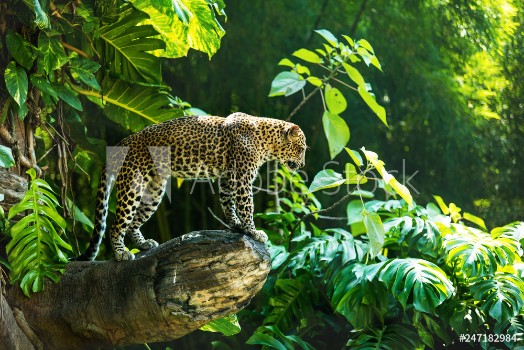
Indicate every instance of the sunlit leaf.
{"type": "Point", "coordinates": [187, 24]}
{"type": "Point", "coordinates": [286, 62]}
{"type": "Point", "coordinates": [336, 131]}
{"type": "Point", "coordinates": [335, 101]}
{"type": "Point", "coordinates": [308, 56]}
{"type": "Point", "coordinates": [354, 74]}
{"type": "Point", "coordinates": [375, 232]}
{"type": "Point", "coordinates": [330, 38]}
{"type": "Point", "coordinates": [421, 280]}
{"type": "Point", "coordinates": [16, 82]}
{"type": "Point", "coordinates": [355, 156]}
{"type": "Point", "coordinates": [227, 325]}
{"type": "Point", "coordinates": [474, 219]}
{"type": "Point", "coordinates": [375, 107]}
{"type": "Point", "coordinates": [327, 178]}
{"type": "Point", "coordinates": [286, 83]}
{"type": "Point", "coordinates": [314, 80]}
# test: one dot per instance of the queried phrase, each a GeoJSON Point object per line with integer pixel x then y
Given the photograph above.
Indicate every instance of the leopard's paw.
{"type": "Point", "coordinates": [259, 235]}
{"type": "Point", "coordinates": [124, 255]}
{"type": "Point", "coordinates": [148, 244]}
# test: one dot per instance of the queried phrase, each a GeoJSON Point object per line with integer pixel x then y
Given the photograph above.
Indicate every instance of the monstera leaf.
{"type": "Point", "coordinates": [476, 253]}
{"type": "Point", "coordinates": [502, 297]}
{"type": "Point", "coordinates": [393, 336]}
{"type": "Point", "coordinates": [425, 282]}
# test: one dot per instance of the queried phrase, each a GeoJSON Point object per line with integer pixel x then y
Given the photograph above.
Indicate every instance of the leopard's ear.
{"type": "Point", "coordinates": [293, 133]}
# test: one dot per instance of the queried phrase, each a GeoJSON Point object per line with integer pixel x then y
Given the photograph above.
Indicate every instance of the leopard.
{"type": "Point", "coordinates": [228, 149]}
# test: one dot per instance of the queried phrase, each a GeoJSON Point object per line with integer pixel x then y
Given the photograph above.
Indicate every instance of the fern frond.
{"type": "Point", "coordinates": [36, 248]}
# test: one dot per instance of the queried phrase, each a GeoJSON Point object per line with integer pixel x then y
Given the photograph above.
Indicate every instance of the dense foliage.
{"type": "Point", "coordinates": [357, 261]}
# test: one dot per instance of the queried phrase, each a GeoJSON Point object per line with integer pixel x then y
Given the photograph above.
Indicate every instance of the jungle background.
{"type": "Point", "coordinates": [450, 80]}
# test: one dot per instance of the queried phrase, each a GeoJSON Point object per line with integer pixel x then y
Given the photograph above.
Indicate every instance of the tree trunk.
{"type": "Point", "coordinates": [162, 295]}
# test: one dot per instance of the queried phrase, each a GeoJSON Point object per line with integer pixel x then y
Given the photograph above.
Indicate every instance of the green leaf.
{"type": "Point", "coordinates": [42, 84]}
{"type": "Point", "coordinates": [375, 107]}
{"type": "Point", "coordinates": [16, 82]}
{"type": "Point", "coordinates": [34, 251]}
{"type": "Point", "coordinates": [79, 215]}
{"type": "Point", "coordinates": [375, 232]}
{"type": "Point", "coordinates": [330, 38]}
{"type": "Point", "coordinates": [315, 81]}
{"type": "Point", "coordinates": [135, 106]}
{"type": "Point", "coordinates": [327, 178]}
{"type": "Point", "coordinates": [424, 281]}
{"type": "Point", "coordinates": [52, 55]}
{"type": "Point", "coordinates": [477, 253]}
{"type": "Point", "coordinates": [302, 69]}
{"type": "Point", "coordinates": [335, 101]}
{"type": "Point", "coordinates": [365, 44]}
{"type": "Point", "coordinates": [22, 51]}
{"type": "Point", "coordinates": [6, 157]}
{"type": "Point", "coordinates": [286, 83]}
{"type": "Point", "coordinates": [354, 211]}
{"type": "Point", "coordinates": [474, 219]}
{"type": "Point", "coordinates": [441, 204]}
{"type": "Point", "coordinates": [308, 56]}
{"type": "Point", "coordinates": [182, 25]}
{"type": "Point", "coordinates": [68, 96]}
{"type": "Point", "coordinates": [501, 296]}
{"type": "Point", "coordinates": [286, 62]}
{"type": "Point", "coordinates": [349, 40]}
{"type": "Point", "coordinates": [354, 74]}
{"type": "Point", "coordinates": [84, 69]}
{"type": "Point", "coordinates": [227, 326]}
{"type": "Point", "coordinates": [265, 339]}
{"type": "Point", "coordinates": [125, 45]}
{"type": "Point", "coordinates": [336, 131]}
{"type": "Point", "coordinates": [355, 156]}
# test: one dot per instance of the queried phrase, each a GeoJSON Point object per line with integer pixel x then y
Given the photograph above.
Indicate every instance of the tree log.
{"type": "Point", "coordinates": [163, 294]}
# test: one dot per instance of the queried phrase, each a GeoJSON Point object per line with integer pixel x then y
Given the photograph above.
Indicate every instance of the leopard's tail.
{"type": "Point", "coordinates": [102, 205]}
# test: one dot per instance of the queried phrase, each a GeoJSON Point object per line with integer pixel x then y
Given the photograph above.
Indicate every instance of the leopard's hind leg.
{"type": "Point", "coordinates": [129, 189]}
{"type": "Point", "coordinates": [151, 199]}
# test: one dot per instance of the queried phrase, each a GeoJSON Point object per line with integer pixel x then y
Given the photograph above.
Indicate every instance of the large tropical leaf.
{"type": "Point", "coordinates": [425, 282]}
{"type": "Point", "coordinates": [124, 46]}
{"type": "Point", "coordinates": [393, 336]}
{"type": "Point", "coordinates": [476, 253]}
{"type": "Point", "coordinates": [183, 24]}
{"type": "Point", "coordinates": [463, 316]}
{"type": "Point", "coordinates": [134, 106]}
{"type": "Point", "coordinates": [272, 337]}
{"type": "Point", "coordinates": [36, 248]}
{"type": "Point", "coordinates": [502, 296]}
{"type": "Point", "coordinates": [292, 302]}
{"type": "Point", "coordinates": [310, 253]}
{"type": "Point", "coordinates": [355, 293]}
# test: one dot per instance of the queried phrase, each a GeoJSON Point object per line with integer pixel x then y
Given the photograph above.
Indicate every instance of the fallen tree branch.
{"type": "Point", "coordinates": [164, 294]}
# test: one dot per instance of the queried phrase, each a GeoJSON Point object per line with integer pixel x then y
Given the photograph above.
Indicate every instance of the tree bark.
{"type": "Point", "coordinates": [163, 294]}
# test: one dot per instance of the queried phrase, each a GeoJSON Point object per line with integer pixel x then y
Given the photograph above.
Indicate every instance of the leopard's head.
{"type": "Point", "coordinates": [293, 152]}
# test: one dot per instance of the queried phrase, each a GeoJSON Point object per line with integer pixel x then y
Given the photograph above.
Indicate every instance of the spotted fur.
{"type": "Point", "coordinates": [229, 149]}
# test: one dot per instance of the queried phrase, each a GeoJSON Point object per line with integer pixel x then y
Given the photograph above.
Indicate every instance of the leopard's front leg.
{"type": "Point", "coordinates": [243, 199]}
{"type": "Point", "coordinates": [226, 186]}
